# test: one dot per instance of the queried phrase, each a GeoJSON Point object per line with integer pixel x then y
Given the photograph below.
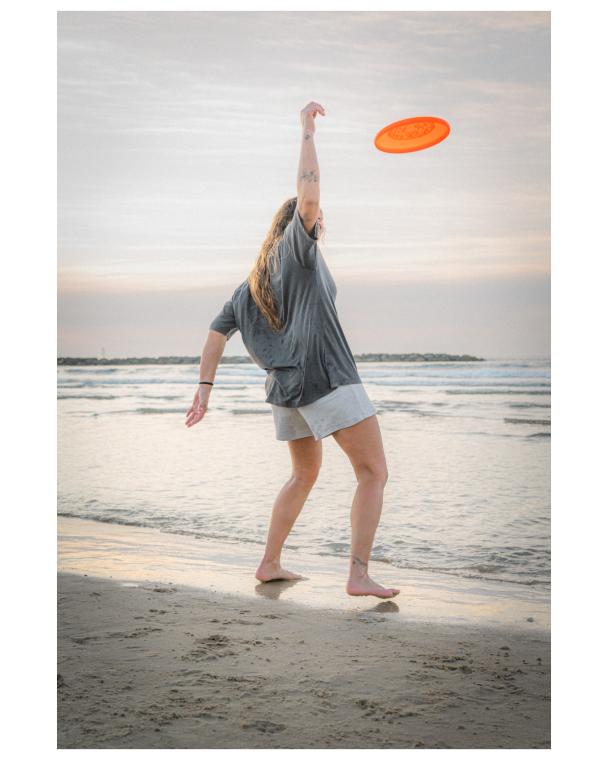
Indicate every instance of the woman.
{"type": "Point", "coordinates": [286, 313]}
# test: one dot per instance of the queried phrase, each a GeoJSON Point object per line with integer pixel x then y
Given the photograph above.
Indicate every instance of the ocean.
{"type": "Point", "coordinates": [467, 446]}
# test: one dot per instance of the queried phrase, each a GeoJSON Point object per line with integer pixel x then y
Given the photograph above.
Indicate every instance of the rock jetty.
{"type": "Point", "coordinates": [76, 361]}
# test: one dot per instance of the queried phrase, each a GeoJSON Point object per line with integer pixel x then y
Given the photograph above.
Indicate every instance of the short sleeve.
{"type": "Point", "coordinates": [225, 321]}
{"type": "Point", "coordinates": [302, 244]}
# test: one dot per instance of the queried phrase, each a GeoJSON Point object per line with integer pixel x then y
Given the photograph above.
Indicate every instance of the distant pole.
{"type": "Point", "coordinates": [103, 353]}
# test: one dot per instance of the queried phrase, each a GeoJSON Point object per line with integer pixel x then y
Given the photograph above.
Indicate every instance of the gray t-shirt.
{"type": "Point", "coordinates": [310, 356]}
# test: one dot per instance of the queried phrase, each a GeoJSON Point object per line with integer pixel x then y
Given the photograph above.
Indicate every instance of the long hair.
{"type": "Point", "coordinates": [259, 277]}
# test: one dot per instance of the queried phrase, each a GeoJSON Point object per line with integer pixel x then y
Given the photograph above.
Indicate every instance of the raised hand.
{"type": "Point", "coordinates": [308, 114]}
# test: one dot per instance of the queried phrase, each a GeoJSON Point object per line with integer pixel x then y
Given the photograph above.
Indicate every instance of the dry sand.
{"type": "Point", "coordinates": [166, 665]}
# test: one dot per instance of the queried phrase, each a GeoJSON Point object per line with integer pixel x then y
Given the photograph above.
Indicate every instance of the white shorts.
{"type": "Point", "coordinates": [342, 407]}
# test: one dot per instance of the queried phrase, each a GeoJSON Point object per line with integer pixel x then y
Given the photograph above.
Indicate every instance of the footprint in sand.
{"type": "Point", "coordinates": [136, 634]}
{"type": "Point", "coordinates": [241, 622]}
{"type": "Point", "coordinates": [377, 710]}
{"type": "Point", "coordinates": [446, 662]}
{"type": "Point", "coordinates": [246, 679]}
{"type": "Point", "coordinates": [83, 639]}
{"type": "Point", "coordinates": [363, 618]}
{"type": "Point", "coordinates": [265, 726]}
{"type": "Point", "coordinates": [210, 648]}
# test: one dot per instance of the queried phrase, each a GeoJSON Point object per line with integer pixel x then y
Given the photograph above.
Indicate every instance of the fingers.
{"type": "Point", "coordinates": [193, 419]}
{"type": "Point", "coordinates": [194, 415]}
{"type": "Point", "coordinates": [197, 410]}
{"type": "Point", "coordinates": [314, 108]}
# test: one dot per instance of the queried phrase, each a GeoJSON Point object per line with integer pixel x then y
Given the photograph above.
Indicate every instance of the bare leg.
{"type": "Point", "coordinates": [363, 445]}
{"type": "Point", "coordinates": [306, 455]}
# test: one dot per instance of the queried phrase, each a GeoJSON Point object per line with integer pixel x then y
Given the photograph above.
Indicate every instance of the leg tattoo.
{"type": "Point", "coordinates": [356, 562]}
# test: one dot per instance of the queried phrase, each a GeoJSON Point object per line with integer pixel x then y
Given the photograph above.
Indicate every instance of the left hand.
{"type": "Point", "coordinates": [199, 406]}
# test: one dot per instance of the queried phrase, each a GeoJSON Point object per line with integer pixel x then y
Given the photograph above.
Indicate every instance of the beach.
{"type": "Point", "coordinates": [154, 655]}
{"type": "Point", "coordinates": [165, 637]}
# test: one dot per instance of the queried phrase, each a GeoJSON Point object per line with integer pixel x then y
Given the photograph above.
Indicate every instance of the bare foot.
{"type": "Point", "coordinates": [367, 587]}
{"type": "Point", "coordinates": [272, 571]}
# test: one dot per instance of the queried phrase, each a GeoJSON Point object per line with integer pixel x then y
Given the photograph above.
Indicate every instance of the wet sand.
{"type": "Point", "coordinates": [148, 661]}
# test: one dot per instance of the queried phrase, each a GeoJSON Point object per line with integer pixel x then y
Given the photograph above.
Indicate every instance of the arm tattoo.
{"type": "Point", "coordinates": [307, 135]}
{"type": "Point", "coordinates": [309, 176]}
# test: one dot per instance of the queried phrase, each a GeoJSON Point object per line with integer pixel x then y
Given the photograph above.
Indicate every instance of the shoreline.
{"type": "Point", "coordinates": [140, 555]}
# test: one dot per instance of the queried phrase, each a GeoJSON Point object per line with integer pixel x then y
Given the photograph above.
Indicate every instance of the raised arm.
{"type": "Point", "coordinates": [308, 183]}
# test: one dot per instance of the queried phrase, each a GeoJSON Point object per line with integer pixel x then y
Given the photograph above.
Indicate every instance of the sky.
{"type": "Point", "coordinates": [179, 138]}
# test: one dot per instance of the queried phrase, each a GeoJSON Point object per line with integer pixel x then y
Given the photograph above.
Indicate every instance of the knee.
{"type": "Point", "coordinates": [306, 476]}
{"type": "Point", "coordinates": [377, 474]}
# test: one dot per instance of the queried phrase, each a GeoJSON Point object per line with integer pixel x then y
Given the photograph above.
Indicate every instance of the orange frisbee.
{"type": "Point", "coordinates": [407, 135]}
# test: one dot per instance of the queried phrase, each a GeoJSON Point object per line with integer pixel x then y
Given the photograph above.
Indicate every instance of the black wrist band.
{"type": "Point", "coordinates": [205, 382]}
